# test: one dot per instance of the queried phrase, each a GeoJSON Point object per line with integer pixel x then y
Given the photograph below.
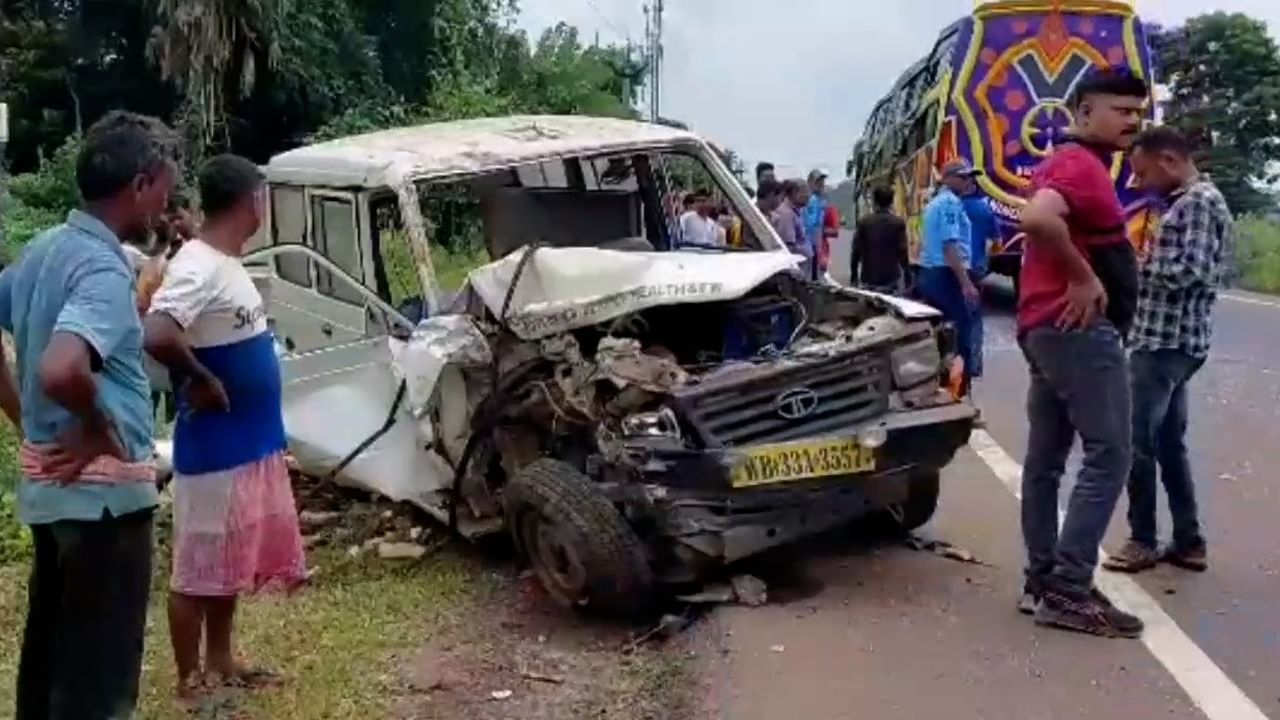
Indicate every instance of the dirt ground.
{"type": "Point", "coordinates": [507, 651]}
{"type": "Point", "coordinates": [514, 655]}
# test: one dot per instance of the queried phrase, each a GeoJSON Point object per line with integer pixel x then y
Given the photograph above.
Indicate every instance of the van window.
{"type": "Point", "coordinates": [288, 225]}
{"type": "Point", "coordinates": [334, 231]}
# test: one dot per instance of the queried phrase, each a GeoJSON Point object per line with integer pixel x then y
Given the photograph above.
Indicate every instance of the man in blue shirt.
{"type": "Point", "coordinates": [983, 231]}
{"type": "Point", "coordinates": [944, 258]}
{"type": "Point", "coordinates": [88, 486]}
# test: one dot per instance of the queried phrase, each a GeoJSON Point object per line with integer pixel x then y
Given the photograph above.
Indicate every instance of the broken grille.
{"type": "Point", "coordinates": [754, 410]}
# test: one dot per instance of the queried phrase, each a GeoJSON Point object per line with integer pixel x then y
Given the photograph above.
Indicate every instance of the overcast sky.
{"type": "Point", "coordinates": [792, 82]}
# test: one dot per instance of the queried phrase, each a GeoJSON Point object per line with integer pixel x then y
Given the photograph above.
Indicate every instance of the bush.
{"type": "Point", "coordinates": [1258, 254]}
{"type": "Point", "coordinates": [39, 200]}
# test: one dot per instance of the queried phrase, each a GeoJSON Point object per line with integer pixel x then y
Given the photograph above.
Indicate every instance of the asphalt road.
{"type": "Point", "coordinates": [879, 632]}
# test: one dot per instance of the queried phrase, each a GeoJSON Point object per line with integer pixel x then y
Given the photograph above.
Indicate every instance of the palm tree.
{"type": "Point", "coordinates": [211, 49]}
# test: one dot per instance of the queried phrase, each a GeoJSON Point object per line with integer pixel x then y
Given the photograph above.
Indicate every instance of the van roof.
{"type": "Point", "coordinates": [387, 157]}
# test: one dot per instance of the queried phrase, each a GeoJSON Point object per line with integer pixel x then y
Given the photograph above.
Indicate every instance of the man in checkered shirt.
{"type": "Point", "coordinates": [1170, 340]}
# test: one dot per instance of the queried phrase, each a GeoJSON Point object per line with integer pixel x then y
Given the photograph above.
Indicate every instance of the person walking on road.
{"type": "Point", "coordinates": [88, 482]}
{"type": "Point", "coordinates": [944, 259]}
{"type": "Point", "coordinates": [1078, 295]}
{"type": "Point", "coordinates": [235, 523]}
{"type": "Point", "coordinates": [983, 232]}
{"type": "Point", "coordinates": [1178, 281]}
{"type": "Point", "coordinates": [879, 260]}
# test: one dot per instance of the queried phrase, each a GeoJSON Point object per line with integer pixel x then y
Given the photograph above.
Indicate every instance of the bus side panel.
{"type": "Point", "coordinates": [1012, 86]}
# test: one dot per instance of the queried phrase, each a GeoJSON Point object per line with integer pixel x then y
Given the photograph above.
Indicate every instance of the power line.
{"type": "Point", "coordinates": [609, 22]}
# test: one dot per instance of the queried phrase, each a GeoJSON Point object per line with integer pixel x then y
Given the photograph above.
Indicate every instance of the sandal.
{"type": "Point", "coordinates": [1132, 558]}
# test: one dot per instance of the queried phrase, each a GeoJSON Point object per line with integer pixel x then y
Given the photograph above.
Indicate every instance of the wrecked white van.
{"type": "Point", "coordinates": [633, 410]}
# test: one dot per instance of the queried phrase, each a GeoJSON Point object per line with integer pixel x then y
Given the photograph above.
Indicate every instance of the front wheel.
{"type": "Point", "coordinates": [923, 489]}
{"type": "Point", "coordinates": [581, 548]}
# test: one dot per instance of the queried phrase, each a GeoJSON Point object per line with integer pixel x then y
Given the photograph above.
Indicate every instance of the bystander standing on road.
{"type": "Point", "coordinates": [235, 523]}
{"type": "Point", "coordinates": [788, 220]}
{"type": "Point", "coordinates": [944, 258]}
{"type": "Point", "coordinates": [88, 483]}
{"type": "Point", "coordinates": [769, 198]}
{"type": "Point", "coordinates": [765, 172]}
{"type": "Point", "coordinates": [1078, 292]}
{"type": "Point", "coordinates": [1178, 289]}
{"type": "Point", "coordinates": [821, 221]}
{"type": "Point", "coordinates": [983, 233]}
{"type": "Point", "coordinates": [879, 261]}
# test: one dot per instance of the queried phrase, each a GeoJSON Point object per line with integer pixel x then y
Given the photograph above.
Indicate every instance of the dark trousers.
{"type": "Point", "coordinates": [1159, 439]}
{"type": "Point", "coordinates": [941, 288]}
{"type": "Point", "coordinates": [1079, 385]}
{"type": "Point", "coordinates": [82, 649]}
{"type": "Point", "coordinates": [977, 327]}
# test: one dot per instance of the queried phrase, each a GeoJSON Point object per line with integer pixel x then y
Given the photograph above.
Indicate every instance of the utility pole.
{"type": "Point", "coordinates": [653, 55]}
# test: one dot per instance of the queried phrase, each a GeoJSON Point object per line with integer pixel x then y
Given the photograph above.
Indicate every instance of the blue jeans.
{"type": "Point", "coordinates": [940, 288]}
{"type": "Point", "coordinates": [1079, 385]}
{"type": "Point", "coordinates": [1159, 439]}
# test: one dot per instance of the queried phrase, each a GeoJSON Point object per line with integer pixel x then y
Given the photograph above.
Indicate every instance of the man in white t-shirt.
{"type": "Point", "coordinates": [235, 527]}
{"type": "Point", "coordinates": [696, 225]}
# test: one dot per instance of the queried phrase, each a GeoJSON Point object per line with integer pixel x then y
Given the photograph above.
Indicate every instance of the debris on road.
{"type": "Point", "coordinates": [745, 590]}
{"type": "Point", "coordinates": [750, 590]}
{"type": "Point", "coordinates": [778, 648]}
{"type": "Point", "coordinates": [401, 551]}
{"type": "Point", "coordinates": [943, 549]}
{"type": "Point", "coordinates": [541, 677]}
{"type": "Point", "coordinates": [667, 627]}
{"type": "Point", "coordinates": [501, 694]}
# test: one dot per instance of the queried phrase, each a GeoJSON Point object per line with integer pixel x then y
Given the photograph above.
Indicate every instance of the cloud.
{"type": "Point", "coordinates": [774, 81]}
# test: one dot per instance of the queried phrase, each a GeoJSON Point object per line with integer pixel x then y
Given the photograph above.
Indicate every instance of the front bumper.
{"type": "Point", "coordinates": [693, 501]}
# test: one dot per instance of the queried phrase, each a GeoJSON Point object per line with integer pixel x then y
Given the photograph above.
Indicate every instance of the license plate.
{"type": "Point", "coordinates": [802, 461]}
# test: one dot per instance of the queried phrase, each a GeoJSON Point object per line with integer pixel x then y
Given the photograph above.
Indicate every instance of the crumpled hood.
{"type": "Point", "coordinates": [566, 288]}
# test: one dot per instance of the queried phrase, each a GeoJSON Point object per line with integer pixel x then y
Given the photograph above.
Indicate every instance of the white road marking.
{"type": "Point", "coordinates": [1250, 300]}
{"type": "Point", "coordinates": [1203, 681]}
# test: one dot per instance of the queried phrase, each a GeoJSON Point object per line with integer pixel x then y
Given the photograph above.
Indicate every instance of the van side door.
{"type": "Point", "coordinates": [311, 306]}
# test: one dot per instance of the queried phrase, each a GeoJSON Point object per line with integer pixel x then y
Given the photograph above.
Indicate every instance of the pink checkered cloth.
{"type": "Point", "coordinates": [34, 459]}
{"type": "Point", "coordinates": [236, 531]}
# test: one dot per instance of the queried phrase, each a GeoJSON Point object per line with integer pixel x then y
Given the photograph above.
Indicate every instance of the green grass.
{"type": "Point", "coordinates": [1258, 254]}
{"type": "Point", "coordinates": [334, 641]}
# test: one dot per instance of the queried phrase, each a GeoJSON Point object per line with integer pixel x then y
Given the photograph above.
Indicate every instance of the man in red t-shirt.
{"type": "Point", "coordinates": [1078, 293]}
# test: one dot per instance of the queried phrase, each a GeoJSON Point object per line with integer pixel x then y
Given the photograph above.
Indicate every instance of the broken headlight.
{"type": "Point", "coordinates": [916, 363]}
{"type": "Point", "coordinates": [660, 424]}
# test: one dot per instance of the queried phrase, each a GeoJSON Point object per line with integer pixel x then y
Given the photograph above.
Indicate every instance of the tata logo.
{"type": "Point", "coordinates": [796, 404]}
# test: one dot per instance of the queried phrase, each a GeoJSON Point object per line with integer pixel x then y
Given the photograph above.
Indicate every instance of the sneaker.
{"type": "Point", "coordinates": [1134, 557]}
{"type": "Point", "coordinates": [1195, 559]}
{"type": "Point", "coordinates": [1028, 601]}
{"type": "Point", "coordinates": [1092, 614]}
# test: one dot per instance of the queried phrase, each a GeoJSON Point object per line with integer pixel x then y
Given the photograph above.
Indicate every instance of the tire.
{"type": "Point", "coordinates": [922, 501]}
{"type": "Point", "coordinates": [583, 551]}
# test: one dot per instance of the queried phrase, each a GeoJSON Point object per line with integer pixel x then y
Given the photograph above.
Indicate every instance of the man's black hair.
{"type": "Point", "coordinates": [1121, 82]}
{"type": "Point", "coordinates": [120, 147]}
{"type": "Point", "coordinates": [882, 196]}
{"type": "Point", "coordinates": [1162, 138]}
{"type": "Point", "coordinates": [226, 180]}
{"type": "Point", "coordinates": [762, 168]}
{"type": "Point", "coordinates": [768, 189]}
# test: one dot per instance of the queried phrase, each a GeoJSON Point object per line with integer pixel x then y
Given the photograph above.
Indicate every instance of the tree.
{"type": "Point", "coordinates": [212, 49]}
{"type": "Point", "coordinates": [1224, 74]}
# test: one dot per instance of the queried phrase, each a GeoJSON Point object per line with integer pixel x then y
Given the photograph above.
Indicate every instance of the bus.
{"type": "Point", "coordinates": [994, 91]}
